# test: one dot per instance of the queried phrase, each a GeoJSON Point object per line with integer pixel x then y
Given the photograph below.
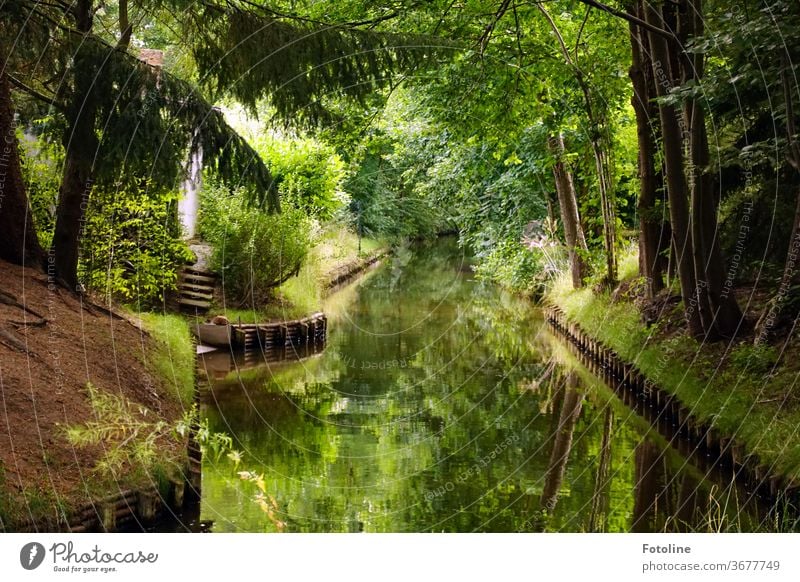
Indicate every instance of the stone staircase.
{"type": "Point", "coordinates": [195, 289]}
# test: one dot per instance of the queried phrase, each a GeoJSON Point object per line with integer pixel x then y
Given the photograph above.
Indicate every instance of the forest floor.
{"type": "Point", "coordinates": [748, 392]}
{"type": "Point", "coordinates": [46, 366]}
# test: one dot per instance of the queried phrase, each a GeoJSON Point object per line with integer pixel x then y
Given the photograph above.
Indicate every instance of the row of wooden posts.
{"type": "Point", "coordinates": [672, 418]}
{"type": "Point", "coordinates": [274, 338]}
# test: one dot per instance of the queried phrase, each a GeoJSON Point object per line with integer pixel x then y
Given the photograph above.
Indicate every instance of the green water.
{"type": "Point", "coordinates": [443, 404]}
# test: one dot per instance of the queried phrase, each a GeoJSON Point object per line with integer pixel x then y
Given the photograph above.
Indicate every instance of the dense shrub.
{"type": "Point", "coordinates": [132, 246]}
{"type": "Point", "coordinates": [253, 251]}
{"type": "Point", "coordinates": [308, 174]}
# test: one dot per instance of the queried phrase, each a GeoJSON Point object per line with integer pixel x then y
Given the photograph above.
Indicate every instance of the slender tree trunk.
{"type": "Point", "coordinates": [18, 241]}
{"type": "Point", "coordinates": [651, 262]}
{"type": "Point", "coordinates": [573, 232]}
{"type": "Point", "coordinates": [699, 179]}
{"type": "Point", "coordinates": [599, 151]}
{"type": "Point", "coordinates": [675, 178]}
{"type": "Point", "coordinates": [81, 145]}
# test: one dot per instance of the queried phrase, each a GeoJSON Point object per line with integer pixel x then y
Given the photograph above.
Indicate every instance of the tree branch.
{"type": "Point", "coordinates": [51, 100]}
{"type": "Point", "coordinates": [628, 17]}
{"type": "Point", "coordinates": [487, 33]}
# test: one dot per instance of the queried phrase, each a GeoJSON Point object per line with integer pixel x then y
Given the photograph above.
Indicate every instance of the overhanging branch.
{"type": "Point", "coordinates": [628, 17]}
{"type": "Point", "coordinates": [50, 100]}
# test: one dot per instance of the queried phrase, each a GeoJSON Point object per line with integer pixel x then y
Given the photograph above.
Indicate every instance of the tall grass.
{"type": "Point", "coordinates": [174, 360]}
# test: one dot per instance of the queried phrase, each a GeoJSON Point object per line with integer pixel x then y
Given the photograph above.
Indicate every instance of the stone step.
{"type": "Point", "coordinates": [193, 271]}
{"type": "Point", "coordinates": [205, 305]}
{"type": "Point", "coordinates": [210, 279]}
{"type": "Point", "coordinates": [198, 287]}
{"type": "Point", "coordinates": [186, 293]}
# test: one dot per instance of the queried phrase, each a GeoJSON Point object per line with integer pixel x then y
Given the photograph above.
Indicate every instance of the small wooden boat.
{"type": "Point", "coordinates": [212, 334]}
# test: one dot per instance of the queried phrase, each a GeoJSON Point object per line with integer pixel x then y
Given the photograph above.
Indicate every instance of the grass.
{"type": "Point", "coordinates": [174, 361]}
{"type": "Point", "coordinates": [32, 502]}
{"type": "Point", "coordinates": [736, 388]}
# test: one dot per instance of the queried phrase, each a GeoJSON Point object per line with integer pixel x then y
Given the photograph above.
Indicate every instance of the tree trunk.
{"type": "Point", "coordinates": [691, 66]}
{"type": "Point", "coordinates": [573, 232]}
{"type": "Point", "coordinates": [81, 145]}
{"type": "Point", "coordinates": [18, 241]}
{"type": "Point", "coordinates": [651, 261]}
{"type": "Point", "coordinates": [775, 311]}
{"type": "Point", "coordinates": [675, 178]}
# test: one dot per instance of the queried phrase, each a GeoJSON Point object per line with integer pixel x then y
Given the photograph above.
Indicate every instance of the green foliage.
{"type": "Point", "coordinates": [132, 246]}
{"type": "Point", "coordinates": [254, 252]}
{"type": "Point", "coordinates": [131, 440]}
{"type": "Point", "coordinates": [514, 266]}
{"type": "Point", "coordinates": [252, 52]}
{"type": "Point", "coordinates": [307, 173]}
{"type": "Point", "coordinates": [41, 159]}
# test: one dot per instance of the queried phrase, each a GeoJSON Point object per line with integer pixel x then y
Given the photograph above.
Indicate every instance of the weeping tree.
{"type": "Point", "coordinates": [124, 119]}
{"type": "Point", "coordinates": [128, 120]}
{"type": "Point", "coordinates": [252, 52]}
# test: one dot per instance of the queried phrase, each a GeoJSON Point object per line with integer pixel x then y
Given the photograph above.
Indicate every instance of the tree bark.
{"type": "Point", "coordinates": [651, 260]}
{"type": "Point", "coordinates": [675, 178]}
{"type": "Point", "coordinates": [775, 311]}
{"type": "Point", "coordinates": [573, 232]}
{"type": "Point", "coordinates": [81, 145]}
{"type": "Point", "coordinates": [699, 179]}
{"type": "Point", "coordinates": [18, 241]}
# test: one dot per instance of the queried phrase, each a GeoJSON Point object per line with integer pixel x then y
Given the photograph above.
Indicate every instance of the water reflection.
{"type": "Point", "coordinates": [441, 404]}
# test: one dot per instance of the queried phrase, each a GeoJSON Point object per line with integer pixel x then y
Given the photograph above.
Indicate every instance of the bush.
{"type": "Point", "coordinates": [132, 246]}
{"type": "Point", "coordinates": [308, 174]}
{"type": "Point", "coordinates": [254, 252]}
{"type": "Point", "coordinates": [516, 266]}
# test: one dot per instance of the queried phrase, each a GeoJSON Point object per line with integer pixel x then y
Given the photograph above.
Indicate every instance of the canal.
{"type": "Point", "coordinates": [443, 404]}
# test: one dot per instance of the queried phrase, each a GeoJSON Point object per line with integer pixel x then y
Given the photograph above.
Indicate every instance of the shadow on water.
{"type": "Point", "coordinates": [443, 404]}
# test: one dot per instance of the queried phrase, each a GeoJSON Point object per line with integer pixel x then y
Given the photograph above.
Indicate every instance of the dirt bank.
{"type": "Point", "coordinates": [48, 355]}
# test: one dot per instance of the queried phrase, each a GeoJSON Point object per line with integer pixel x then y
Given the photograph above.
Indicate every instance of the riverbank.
{"type": "Point", "coordinates": [746, 393]}
{"type": "Point", "coordinates": [335, 259]}
{"type": "Point", "coordinates": [92, 402]}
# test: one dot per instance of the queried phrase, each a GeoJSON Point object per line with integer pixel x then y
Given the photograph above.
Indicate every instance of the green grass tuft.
{"type": "Point", "coordinates": [174, 361]}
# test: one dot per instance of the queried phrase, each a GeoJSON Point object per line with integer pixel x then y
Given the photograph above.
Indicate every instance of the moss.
{"type": "Point", "coordinates": [174, 361]}
{"type": "Point", "coordinates": [738, 390]}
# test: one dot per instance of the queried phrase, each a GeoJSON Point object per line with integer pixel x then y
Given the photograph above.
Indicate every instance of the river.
{"type": "Point", "coordinates": [442, 403]}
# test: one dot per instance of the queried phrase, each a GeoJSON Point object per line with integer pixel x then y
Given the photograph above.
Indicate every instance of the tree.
{"type": "Point", "coordinates": [573, 232]}
{"type": "Point", "coordinates": [18, 241]}
{"type": "Point", "coordinates": [116, 107]}
{"type": "Point", "coordinates": [600, 150]}
{"type": "Point", "coordinates": [652, 237]}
